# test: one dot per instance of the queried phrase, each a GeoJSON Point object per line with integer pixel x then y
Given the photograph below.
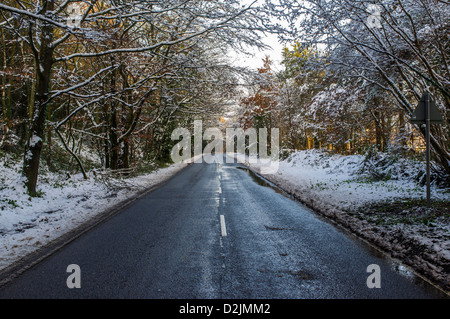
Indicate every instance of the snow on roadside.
{"type": "Point", "coordinates": [27, 224]}
{"type": "Point", "coordinates": [334, 186]}
{"type": "Point", "coordinates": [335, 180]}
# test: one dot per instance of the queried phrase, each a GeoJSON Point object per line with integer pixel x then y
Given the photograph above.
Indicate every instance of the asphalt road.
{"type": "Point", "coordinates": [216, 231]}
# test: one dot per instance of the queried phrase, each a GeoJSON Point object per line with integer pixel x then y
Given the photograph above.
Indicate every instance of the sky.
{"type": "Point", "coordinates": [270, 39]}
{"type": "Point", "coordinates": [256, 61]}
{"type": "Point", "coordinates": [275, 54]}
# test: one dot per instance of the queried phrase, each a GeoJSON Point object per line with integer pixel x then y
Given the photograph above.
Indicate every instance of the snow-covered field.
{"type": "Point", "coordinates": [340, 188]}
{"type": "Point", "coordinates": [27, 224]}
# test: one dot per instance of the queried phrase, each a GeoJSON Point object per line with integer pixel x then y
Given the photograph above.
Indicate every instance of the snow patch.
{"type": "Point", "coordinates": [34, 140]}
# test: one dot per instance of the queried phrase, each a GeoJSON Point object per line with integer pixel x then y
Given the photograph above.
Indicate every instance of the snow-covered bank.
{"type": "Point", "coordinates": [339, 188]}
{"type": "Point", "coordinates": [27, 224]}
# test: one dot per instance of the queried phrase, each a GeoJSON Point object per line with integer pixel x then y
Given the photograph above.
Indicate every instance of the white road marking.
{"type": "Point", "coordinates": [223, 227]}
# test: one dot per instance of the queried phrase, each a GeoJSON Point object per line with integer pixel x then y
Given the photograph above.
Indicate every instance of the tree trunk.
{"type": "Point", "coordinates": [441, 154]}
{"type": "Point", "coordinates": [6, 96]}
{"type": "Point", "coordinates": [403, 139]}
{"type": "Point", "coordinates": [125, 155]}
{"type": "Point", "coordinates": [114, 151]}
{"type": "Point", "coordinates": [44, 62]}
{"type": "Point", "coordinates": [378, 136]}
{"type": "Point", "coordinates": [106, 149]}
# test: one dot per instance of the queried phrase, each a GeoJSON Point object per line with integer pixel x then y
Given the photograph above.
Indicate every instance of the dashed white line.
{"type": "Point", "coordinates": [223, 227]}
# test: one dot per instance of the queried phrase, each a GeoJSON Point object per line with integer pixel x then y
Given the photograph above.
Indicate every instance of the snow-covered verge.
{"type": "Point", "coordinates": [27, 224]}
{"type": "Point", "coordinates": [387, 212]}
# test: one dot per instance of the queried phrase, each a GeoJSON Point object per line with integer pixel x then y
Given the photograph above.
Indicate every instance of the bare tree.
{"type": "Point", "coordinates": [89, 52]}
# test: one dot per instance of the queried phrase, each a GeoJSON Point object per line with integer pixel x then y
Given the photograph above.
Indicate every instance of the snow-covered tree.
{"type": "Point", "coordinates": [400, 46]}
{"type": "Point", "coordinates": [109, 61]}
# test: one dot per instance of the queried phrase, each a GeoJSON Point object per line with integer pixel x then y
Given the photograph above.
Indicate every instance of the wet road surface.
{"type": "Point", "coordinates": [217, 231]}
